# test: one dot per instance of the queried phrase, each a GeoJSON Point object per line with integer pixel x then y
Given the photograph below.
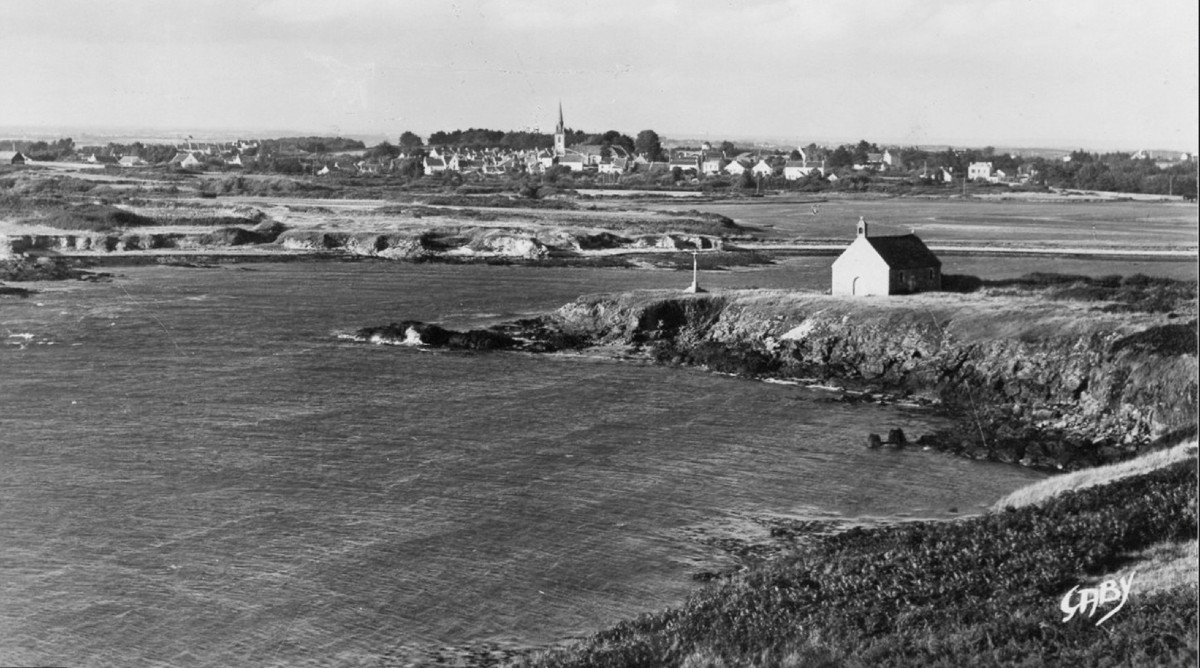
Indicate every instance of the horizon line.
{"type": "Point", "coordinates": [60, 131]}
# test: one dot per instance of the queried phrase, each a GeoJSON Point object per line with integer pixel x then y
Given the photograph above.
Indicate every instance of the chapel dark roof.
{"type": "Point", "coordinates": [904, 252]}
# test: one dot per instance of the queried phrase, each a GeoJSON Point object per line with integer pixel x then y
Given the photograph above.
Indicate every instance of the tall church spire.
{"type": "Point", "coordinates": [560, 134]}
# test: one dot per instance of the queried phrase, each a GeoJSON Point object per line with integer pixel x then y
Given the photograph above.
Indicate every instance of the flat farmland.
{"type": "Point", "coordinates": [1069, 224]}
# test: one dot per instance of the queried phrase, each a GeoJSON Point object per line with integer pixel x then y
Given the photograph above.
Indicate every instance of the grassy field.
{"type": "Point", "coordinates": [33, 199]}
{"type": "Point", "coordinates": [1090, 224]}
{"type": "Point", "coordinates": [1100, 475]}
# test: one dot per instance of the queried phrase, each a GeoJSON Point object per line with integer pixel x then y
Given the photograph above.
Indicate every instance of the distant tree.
{"type": "Point", "coordinates": [382, 151]}
{"type": "Point", "coordinates": [40, 150]}
{"type": "Point", "coordinates": [862, 150]}
{"type": "Point", "coordinates": [409, 140]}
{"type": "Point", "coordinates": [520, 141]}
{"type": "Point", "coordinates": [574, 137]}
{"type": "Point", "coordinates": [555, 172]}
{"type": "Point", "coordinates": [649, 144]}
{"type": "Point", "coordinates": [794, 155]}
{"type": "Point", "coordinates": [840, 158]}
{"type": "Point", "coordinates": [1005, 162]}
{"type": "Point", "coordinates": [412, 167]}
{"type": "Point", "coordinates": [614, 138]}
{"type": "Point", "coordinates": [1081, 156]}
{"type": "Point", "coordinates": [728, 149]}
{"type": "Point", "coordinates": [914, 158]}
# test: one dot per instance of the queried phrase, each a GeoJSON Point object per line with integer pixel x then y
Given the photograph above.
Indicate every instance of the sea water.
{"type": "Point", "coordinates": [195, 469]}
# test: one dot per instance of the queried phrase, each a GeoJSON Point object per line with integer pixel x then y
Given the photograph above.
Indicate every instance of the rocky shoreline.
{"type": "Point", "coordinates": [1041, 384]}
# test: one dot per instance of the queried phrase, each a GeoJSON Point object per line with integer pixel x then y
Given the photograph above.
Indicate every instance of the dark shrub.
{"type": "Point", "coordinates": [1166, 340]}
{"type": "Point", "coordinates": [95, 218]}
{"type": "Point", "coordinates": [961, 283]}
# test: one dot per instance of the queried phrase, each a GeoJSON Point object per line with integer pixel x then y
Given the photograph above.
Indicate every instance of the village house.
{"type": "Point", "coordinates": [186, 160]}
{"type": "Point", "coordinates": [736, 168]}
{"type": "Point", "coordinates": [711, 164]}
{"type": "Point", "coordinates": [979, 170]}
{"type": "Point", "coordinates": [762, 169]}
{"type": "Point", "coordinates": [798, 169]}
{"type": "Point", "coordinates": [874, 162]}
{"type": "Point", "coordinates": [12, 158]}
{"type": "Point", "coordinates": [433, 164]}
{"type": "Point", "coordinates": [614, 165]}
{"type": "Point", "coordinates": [462, 163]}
{"type": "Point", "coordinates": [888, 265]}
{"type": "Point", "coordinates": [131, 161]}
{"type": "Point", "coordinates": [574, 161]}
{"type": "Point", "coordinates": [684, 163]}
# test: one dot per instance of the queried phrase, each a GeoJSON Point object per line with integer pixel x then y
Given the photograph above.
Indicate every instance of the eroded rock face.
{"type": "Point", "coordinates": [509, 245]}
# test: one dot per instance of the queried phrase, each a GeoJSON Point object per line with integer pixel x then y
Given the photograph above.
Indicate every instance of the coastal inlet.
{"type": "Point", "coordinates": [231, 480]}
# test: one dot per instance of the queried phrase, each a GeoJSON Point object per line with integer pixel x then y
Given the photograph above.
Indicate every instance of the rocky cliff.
{"type": "Point", "coordinates": [417, 243]}
{"type": "Point", "coordinates": [1054, 384]}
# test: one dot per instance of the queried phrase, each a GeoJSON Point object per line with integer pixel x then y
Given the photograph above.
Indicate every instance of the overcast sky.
{"type": "Point", "coordinates": [1104, 74]}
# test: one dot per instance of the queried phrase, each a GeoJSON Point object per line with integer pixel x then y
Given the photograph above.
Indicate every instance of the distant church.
{"type": "Point", "coordinates": [886, 266]}
{"type": "Point", "coordinates": [560, 135]}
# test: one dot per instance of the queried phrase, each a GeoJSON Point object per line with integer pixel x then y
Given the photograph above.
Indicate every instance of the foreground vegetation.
{"type": "Point", "coordinates": [981, 591]}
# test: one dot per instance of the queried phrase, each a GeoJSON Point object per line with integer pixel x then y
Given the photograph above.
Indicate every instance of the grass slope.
{"type": "Point", "coordinates": [983, 591]}
{"type": "Point", "coordinates": [1050, 488]}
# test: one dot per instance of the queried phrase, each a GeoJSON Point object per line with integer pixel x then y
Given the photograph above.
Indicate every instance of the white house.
{"type": "Point", "coordinates": [885, 266]}
{"type": "Point", "coordinates": [798, 169]}
{"type": "Point", "coordinates": [433, 165]}
{"type": "Point", "coordinates": [685, 163]}
{"type": "Point", "coordinates": [710, 164]}
{"type": "Point", "coordinates": [736, 168]}
{"type": "Point", "coordinates": [574, 160]}
{"type": "Point", "coordinates": [186, 160]}
{"type": "Point", "coordinates": [979, 170]}
{"type": "Point", "coordinates": [763, 168]}
{"type": "Point", "coordinates": [131, 161]}
{"type": "Point", "coordinates": [613, 166]}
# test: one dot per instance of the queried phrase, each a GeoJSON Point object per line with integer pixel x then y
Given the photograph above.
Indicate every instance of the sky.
{"type": "Point", "coordinates": [1101, 75]}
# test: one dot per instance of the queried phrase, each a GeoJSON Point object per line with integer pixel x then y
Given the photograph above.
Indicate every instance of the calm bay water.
{"type": "Point", "coordinates": [195, 470]}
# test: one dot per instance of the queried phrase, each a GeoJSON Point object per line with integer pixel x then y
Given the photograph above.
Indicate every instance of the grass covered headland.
{"type": "Point", "coordinates": [982, 591]}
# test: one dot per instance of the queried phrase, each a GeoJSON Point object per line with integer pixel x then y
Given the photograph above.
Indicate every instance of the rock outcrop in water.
{"type": "Point", "coordinates": [1047, 384]}
{"type": "Point", "coordinates": [415, 333]}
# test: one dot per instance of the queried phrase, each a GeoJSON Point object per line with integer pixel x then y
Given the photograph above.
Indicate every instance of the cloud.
{"type": "Point", "coordinates": [907, 68]}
